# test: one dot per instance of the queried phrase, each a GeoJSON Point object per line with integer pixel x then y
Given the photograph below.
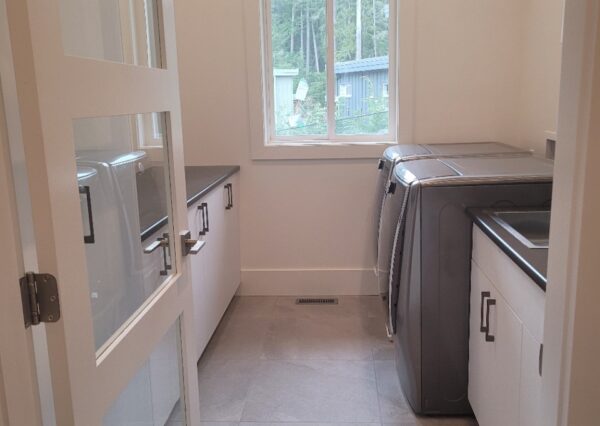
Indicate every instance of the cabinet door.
{"type": "Point", "coordinates": [481, 353]}
{"type": "Point", "coordinates": [506, 328]}
{"type": "Point", "coordinates": [232, 239]}
{"type": "Point", "coordinates": [531, 381]}
{"type": "Point", "coordinates": [494, 366]}
{"type": "Point", "coordinates": [198, 274]}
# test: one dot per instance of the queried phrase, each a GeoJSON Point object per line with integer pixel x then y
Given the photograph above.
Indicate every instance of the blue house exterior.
{"type": "Point", "coordinates": [357, 81]}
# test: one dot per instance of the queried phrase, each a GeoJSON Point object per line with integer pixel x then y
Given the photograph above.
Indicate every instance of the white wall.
{"type": "Point", "coordinates": [540, 77]}
{"type": "Point", "coordinates": [306, 225]}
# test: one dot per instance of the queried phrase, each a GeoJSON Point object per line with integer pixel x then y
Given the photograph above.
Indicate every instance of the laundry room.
{"type": "Point", "coordinates": [295, 212]}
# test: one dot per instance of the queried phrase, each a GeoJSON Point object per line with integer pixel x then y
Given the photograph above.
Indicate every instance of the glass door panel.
{"type": "Point", "coordinates": [153, 396]}
{"type": "Point", "coordinates": [123, 179]}
{"type": "Point", "coordinates": [126, 31]}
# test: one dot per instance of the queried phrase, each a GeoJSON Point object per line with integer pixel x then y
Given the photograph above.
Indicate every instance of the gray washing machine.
{"type": "Point", "coordinates": [407, 152]}
{"type": "Point", "coordinates": [429, 281]}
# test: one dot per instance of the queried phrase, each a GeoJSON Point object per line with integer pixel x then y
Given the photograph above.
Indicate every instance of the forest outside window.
{"type": "Point", "coordinates": [329, 67]}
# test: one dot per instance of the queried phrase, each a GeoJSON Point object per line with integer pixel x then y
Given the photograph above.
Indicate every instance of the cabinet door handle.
{"type": "Point", "coordinates": [482, 327]}
{"type": "Point", "coordinates": [229, 188]}
{"type": "Point", "coordinates": [489, 337]}
{"type": "Point", "coordinates": [202, 230]}
{"type": "Point", "coordinates": [207, 229]}
{"type": "Point", "coordinates": [541, 359]}
{"type": "Point", "coordinates": [91, 237]}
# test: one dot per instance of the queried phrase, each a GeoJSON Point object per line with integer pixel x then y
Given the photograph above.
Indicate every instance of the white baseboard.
{"type": "Point", "coordinates": [307, 282]}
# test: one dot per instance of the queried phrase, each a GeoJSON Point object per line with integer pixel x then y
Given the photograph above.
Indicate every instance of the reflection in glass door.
{"type": "Point", "coordinates": [122, 173]}
{"type": "Point", "coordinates": [126, 31]}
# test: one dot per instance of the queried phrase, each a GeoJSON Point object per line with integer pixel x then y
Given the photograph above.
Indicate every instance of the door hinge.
{"type": "Point", "coordinates": [39, 296]}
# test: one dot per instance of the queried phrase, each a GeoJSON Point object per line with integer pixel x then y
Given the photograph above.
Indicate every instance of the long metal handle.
{"type": "Point", "coordinates": [489, 337]}
{"type": "Point", "coordinates": [207, 229]}
{"type": "Point", "coordinates": [483, 328]}
{"type": "Point", "coordinates": [91, 237]}
{"type": "Point", "coordinates": [541, 359]}
{"type": "Point", "coordinates": [229, 188]}
{"type": "Point", "coordinates": [164, 243]}
{"type": "Point", "coordinates": [203, 227]}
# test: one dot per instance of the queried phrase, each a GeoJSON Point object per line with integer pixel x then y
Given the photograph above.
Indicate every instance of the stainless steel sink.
{"type": "Point", "coordinates": [532, 228]}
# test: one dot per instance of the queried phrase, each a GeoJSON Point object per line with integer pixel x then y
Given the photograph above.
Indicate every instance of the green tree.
{"type": "Point", "coordinates": [299, 40]}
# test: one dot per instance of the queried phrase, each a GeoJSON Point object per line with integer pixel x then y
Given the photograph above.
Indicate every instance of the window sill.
{"type": "Point", "coordinates": [311, 150]}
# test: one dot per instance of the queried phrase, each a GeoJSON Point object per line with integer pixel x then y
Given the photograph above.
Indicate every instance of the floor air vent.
{"type": "Point", "coordinates": [317, 301]}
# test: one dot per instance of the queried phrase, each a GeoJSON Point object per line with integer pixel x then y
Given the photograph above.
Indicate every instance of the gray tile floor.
{"type": "Point", "coordinates": [272, 361]}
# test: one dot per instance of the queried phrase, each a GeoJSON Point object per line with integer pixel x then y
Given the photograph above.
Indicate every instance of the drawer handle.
{"type": "Point", "coordinates": [489, 337]}
{"type": "Point", "coordinates": [482, 327]}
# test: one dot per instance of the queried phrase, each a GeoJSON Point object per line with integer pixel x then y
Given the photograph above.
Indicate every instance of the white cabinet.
{"type": "Point", "coordinates": [531, 380]}
{"type": "Point", "coordinates": [506, 326]}
{"type": "Point", "coordinates": [216, 269]}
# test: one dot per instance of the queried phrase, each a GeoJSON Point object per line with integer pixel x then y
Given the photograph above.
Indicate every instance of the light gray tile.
{"type": "Point", "coordinates": [223, 387]}
{"type": "Point", "coordinates": [313, 391]}
{"type": "Point", "coordinates": [392, 403]}
{"type": "Point", "coordinates": [456, 421]}
{"type": "Point", "coordinates": [384, 351]}
{"type": "Point", "coordinates": [412, 420]}
{"type": "Point", "coordinates": [318, 338]}
{"type": "Point", "coordinates": [252, 307]}
{"type": "Point", "coordinates": [218, 424]}
{"type": "Point", "coordinates": [238, 338]}
{"type": "Point", "coordinates": [306, 424]}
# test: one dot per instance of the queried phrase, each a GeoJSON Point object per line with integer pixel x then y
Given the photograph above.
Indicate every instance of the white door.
{"type": "Point", "coordinates": [98, 95]}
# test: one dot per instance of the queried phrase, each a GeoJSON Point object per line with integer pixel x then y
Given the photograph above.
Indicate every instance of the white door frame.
{"type": "Point", "coordinates": [19, 398]}
{"type": "Point", "coordinates": [571, 338]}
{"type": "Point", "coordinates": [53, 89]}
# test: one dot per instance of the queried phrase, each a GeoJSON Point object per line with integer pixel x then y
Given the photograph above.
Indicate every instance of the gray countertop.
{"type": "Point", "coordinates": [533, 261]}
{"type": "Point", "coordinates": [200, 180]}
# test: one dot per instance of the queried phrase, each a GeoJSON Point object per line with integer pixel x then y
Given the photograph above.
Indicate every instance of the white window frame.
{"type": "Point", "coordinates": [343, 91]}
{"type": "Point", "coordinates": [259, 75]}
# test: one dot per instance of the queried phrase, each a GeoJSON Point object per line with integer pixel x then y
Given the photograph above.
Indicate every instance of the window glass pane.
{"type": "Point", "coordinates": [361, 68]}
{"type": "Point", "coordinates": [125, 205]}
{"type": "Point", "coordinates": [124, 31]}
{"type": "Point", "coordinates": [299, 46]}
{"type": "Point", "coordinates": [153, 396]}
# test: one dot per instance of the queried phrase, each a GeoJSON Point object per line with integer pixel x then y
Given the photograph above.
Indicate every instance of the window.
{"type": "Point", "coordinates": [328, 65]}
{"type": "Point", "coordinates": [345, 91]}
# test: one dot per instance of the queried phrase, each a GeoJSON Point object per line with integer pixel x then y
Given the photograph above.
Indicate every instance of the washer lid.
{"type": "Point", "coordinates": [501, 166]}
{"type": "Point", "coordinates": [114, 158]}
{"type": "Point", "coordinates": [474, 148]}
{"type": "Point", "coordinates": [85, 173]}
{"type": "Point", "coordinates": [405, 151]}
{"type": "Point", "coordinates": [417, 170]}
